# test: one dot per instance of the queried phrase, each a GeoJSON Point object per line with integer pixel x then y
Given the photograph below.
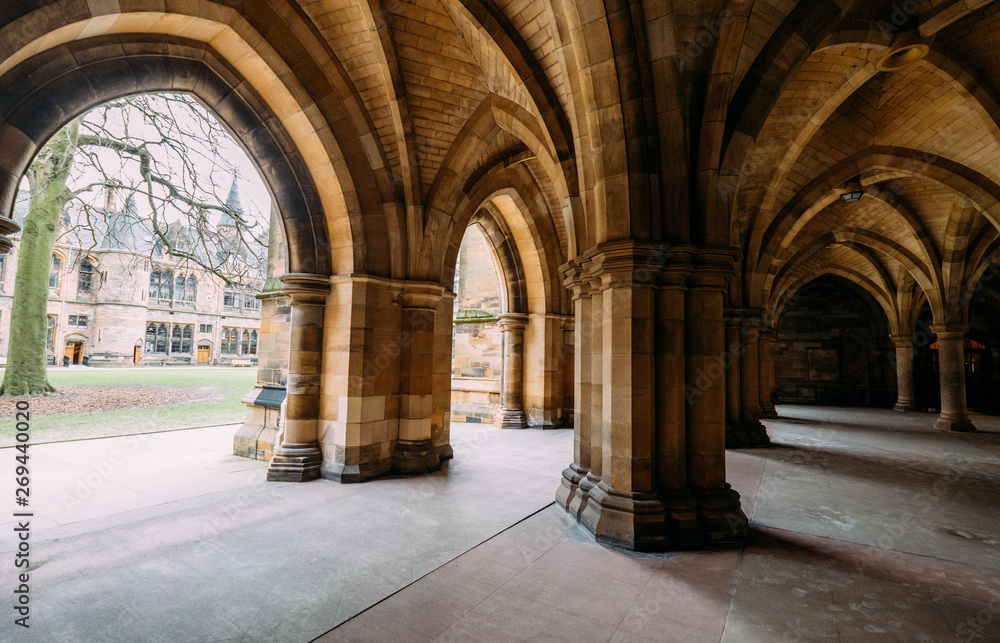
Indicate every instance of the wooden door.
{"type": "Point", "coordinates": [203, 354]}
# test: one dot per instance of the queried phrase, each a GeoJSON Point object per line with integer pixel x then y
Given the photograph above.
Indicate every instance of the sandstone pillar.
{"type": "Point", "coordinates": [951, 371]}
{"type": "Point", "coordinates": [597, 360]}
{"type": "Point", "coordinates": [683, 527]}
{"type": "Point", "coordinates": [719, 509]}
{"type": "Point", "coordinates": [298, 458]}
{"type": "Point", "coordinates": [765, 369]}
{"type": "Point", "coordinates": [734, 427]}
{"type": "Point", "coordinates": [415, 452]}
{"type": "Point", "coordinates": [624, 508]}
{"type": "Point", "coordinates": [905, 398]}
{"type": "Point", "coordinates": [511, 414]}
{"type": "Point", "coordinates": [752, 433]}
{"type": "Point", "coordinates": [569, 494]}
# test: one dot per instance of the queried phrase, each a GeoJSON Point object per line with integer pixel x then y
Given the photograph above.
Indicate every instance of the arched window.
{"type": "Point", "coordinates": [3, 267]}
{"type": "Point", "coordinates": [151, 338]}
{"type": "Point", "coordinates": [253, 343]}
{"type": "Point", "coordinates": [187, 335]}
{"type": "Point", "coordinates": [50, 332]}
{"type": "Point", "coordinates": [179, 288]}
{"type": "Point", "coordinates": [175, 344]}
{"type": "Point", "coordinates": [86, 281]}
{"type": "Point", "coordinates": [154, 284]}
{"type": "Point", "coordinates": [161, 339]}
{"type": "Point", "coordinates": [191, 290]}
{"type": "Point", "coordinates": [54, 273]}
{"type": "Point", "coordinates": [245, 344]}
{"type": "Point", "coordinates": [231, 298]}
{"type": "Point", "coordinates": [165, 283]}
{"type": "Point", "coordinates": [230, 340]}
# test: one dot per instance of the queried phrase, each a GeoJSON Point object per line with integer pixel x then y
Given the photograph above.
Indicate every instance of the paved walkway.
{"type": "Point", "coordinates": [867, 525]}
{"type": "Point", "coordinates": [172, 539]}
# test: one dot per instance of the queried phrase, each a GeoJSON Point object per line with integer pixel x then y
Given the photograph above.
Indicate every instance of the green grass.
{"type": "Point", "coordinates": [225, 386]}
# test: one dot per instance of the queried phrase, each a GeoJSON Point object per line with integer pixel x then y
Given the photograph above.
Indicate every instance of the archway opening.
{"type": "Point", "coordinates": [833, 348]}
{"type": "Point", "coordinates": [477, 338]}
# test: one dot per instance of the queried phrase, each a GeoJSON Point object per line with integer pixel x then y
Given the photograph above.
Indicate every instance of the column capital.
{"type": "Point", "coordinates": [512, 321]}
{"type": "Point", "coordinates": [713, 268]}
{"type": "Point", "coordinates": [305, 287]}
{"type": "Point", "coordinates": [950, 331]}
{"type": "Point", "coordinates": [421, 294]}
{"type": "Point", "coordinates": [901, 341]}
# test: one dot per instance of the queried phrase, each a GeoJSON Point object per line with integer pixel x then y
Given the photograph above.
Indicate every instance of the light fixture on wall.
{"type": "Point", "coordinates": [854, 191]}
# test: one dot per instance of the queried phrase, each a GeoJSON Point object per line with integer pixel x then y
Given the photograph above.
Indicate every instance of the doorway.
{"type": "Point", "coordinates": [74, 351]}
{"type": "Point", "coordinates": [204, 354]}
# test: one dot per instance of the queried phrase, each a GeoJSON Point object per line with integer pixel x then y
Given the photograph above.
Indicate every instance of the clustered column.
{"type": "Point", "coordinates": [765, 370]}
{"type": "Point", "coordinates": [743, 412]}
{"type": "Point", "coordinates": [298, 458]}
{"type": "Point", "coordinates": [511, 414]}
{"type": "Point", "coordinates": [657, 347]}
{"type": "Point", "coordinates": [415, 451]}
{"type": "Point", "coordinates": [951, 370]}
{"type": "Point", "coordinates": [905, 398]}
{"type": "Point", "coordinates": [570, 494]}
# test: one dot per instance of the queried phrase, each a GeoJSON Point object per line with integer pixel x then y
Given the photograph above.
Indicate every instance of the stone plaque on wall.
{"type": "Point", "coordinates": [824, 365]}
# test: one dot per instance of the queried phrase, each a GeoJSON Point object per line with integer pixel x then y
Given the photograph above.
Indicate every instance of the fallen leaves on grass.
{"type": "Point", "coordinates": [96, 399]}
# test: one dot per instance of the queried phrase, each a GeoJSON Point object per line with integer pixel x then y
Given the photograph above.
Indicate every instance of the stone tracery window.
{"type": "Point", "coordinates": [253, 343]}
{"type": "Point", "coordinates": [245, 344]}
{"type": "Point", "coordinates": [161, 339]}
{"type": "Point", "coordinates": [50, 331]}
{"type": "Point", "coordinates": [150, 338]}
{"type": "Point", "coordinates": [54, 273]}
{"type": "Point", "coordinates": [187, 336]}
{"type": "Point", "coordinates": [175, 343]}
{"type": "Point", "coordinates": [85, 283]}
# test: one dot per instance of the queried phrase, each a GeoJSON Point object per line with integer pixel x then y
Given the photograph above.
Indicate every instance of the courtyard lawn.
{"type": "Point", "coordinates": [215, 399]}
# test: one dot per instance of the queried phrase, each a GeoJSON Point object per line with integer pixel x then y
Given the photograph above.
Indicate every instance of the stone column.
{"type": "Point", "coordinates": [765, 368]}
{"type": "Point", "coordinates": [683, 527]}
{"type": "Point", "coordinates": [905, 398]}
{"type": "Point", "coordinates": [719, 509]}
{"type": "Point", "coordinates": [596, 379]}
{"type": "Point", "coordinates": [734, 427]}
{"type": "Point", "coordinates": [511, 415]}
{"type": "Point", "coordinates": [298, 457]}
{"type": "Point", "coordinates": [624, 508]}
{"type": "Point", "coordinates": [754, 432]}
{"type": "Point", "coordinates": [415, 452]}
{"type": "Point", "coordinates": [951, 371]}
{"type": "Point", "coordinates": [569, 494]}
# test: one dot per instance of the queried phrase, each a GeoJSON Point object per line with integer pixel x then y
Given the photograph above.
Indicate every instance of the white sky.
{"type": "Point", "coordinates": [217, 164]}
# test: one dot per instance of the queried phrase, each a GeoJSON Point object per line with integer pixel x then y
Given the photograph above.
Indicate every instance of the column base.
{"type": "Point", "coordinates": [569, 494]}
{"type": "Point", "coordinates": [627, 519]}
{"type": "Point", "coordinates": [683, 525]}
{"type": "Point", "coordinates": [413, 458]}
{"type": "Point", "coordinates": [722, 519]}
{"type": "Point", "coordinates": [905, 406]}
{"type": "Point", "coordinates": [747, 436]}
{"type": "Point", "coordinates": [768, 412]}
{"type": "Point", "coordinates": [510, 419]}
{"type": "Point", "coordinates": [948, 422]}
{"type": "Point", "coordinates": [444, 452]}
{"type": "Point", "coordinates": [295, 463]}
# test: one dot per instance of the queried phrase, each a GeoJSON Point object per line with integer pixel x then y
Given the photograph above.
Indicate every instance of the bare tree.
{"type": "Point", "coordinates": [165, 156]}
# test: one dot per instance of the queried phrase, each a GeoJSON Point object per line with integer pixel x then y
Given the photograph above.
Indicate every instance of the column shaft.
{"type": "Point", "coordinates": [298, 458]}
{"type": "Point", "coordinates": [718, 505]}
{"type": "Point", "coordinates": [415, 452]}
{"type": "Point", "coordinates": [569, 495]}
{"type": "Point", "coordinates": [765, 368]}
{"type": "Point", "coordinates": [951, 371]}
{"type": "Point", "coordinates": [511, 414]}
{"type": "Point", "coordinates": [905, 398]}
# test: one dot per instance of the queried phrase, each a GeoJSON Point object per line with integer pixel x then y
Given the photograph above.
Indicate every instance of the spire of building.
{"type": "Point", "coordinates": [233, 202]}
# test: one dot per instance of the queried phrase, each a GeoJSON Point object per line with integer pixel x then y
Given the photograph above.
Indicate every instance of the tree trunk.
{"type": "Point", "coordinates": [26, 361]}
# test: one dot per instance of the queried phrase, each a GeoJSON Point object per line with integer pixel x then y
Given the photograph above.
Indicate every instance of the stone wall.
{"type": "Point", "coordinates": [833, 348]}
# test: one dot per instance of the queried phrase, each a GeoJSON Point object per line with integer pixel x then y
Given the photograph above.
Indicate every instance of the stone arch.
{"type": "Point", "coordinates": [301, 88]}
{"type": "Point", "coordinates": [499, 237]}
